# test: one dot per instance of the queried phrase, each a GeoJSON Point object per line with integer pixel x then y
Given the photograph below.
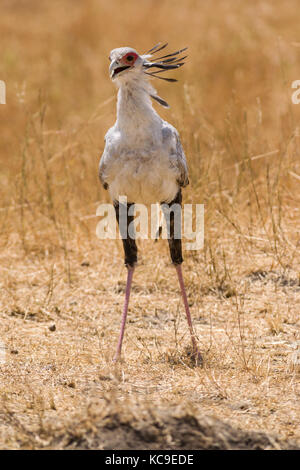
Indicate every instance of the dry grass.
{"type": "Point", "coordinates": [62, 289]}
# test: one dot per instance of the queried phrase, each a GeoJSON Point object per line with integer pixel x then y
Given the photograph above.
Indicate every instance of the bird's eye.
{"type": "Point", "coordinates": [129, 58]}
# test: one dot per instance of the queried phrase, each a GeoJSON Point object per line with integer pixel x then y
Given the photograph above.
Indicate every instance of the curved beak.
{"type": "Point", "coordinates": [115, 68]}
{"type": "Point", "coordinates": [112, 67]}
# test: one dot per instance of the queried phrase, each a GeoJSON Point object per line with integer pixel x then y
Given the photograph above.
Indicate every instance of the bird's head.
{"type": "Point", "coordinates": [123, 61]}
{"type": "Point", "coordinates": [127, 64]}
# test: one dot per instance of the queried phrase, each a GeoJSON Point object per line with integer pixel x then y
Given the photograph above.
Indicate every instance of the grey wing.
{"type": "Point", "coordinates": [179, 161]}
{"type": "Point", "coordinates": [102, 169]}
{"type": "Point", "coordinates": [177, 158]}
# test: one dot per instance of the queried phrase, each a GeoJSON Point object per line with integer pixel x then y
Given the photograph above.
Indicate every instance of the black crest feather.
{"type": "Point", "coordinates": [167, 62]}
{"type": "Point", "coordinates": [154, 67]}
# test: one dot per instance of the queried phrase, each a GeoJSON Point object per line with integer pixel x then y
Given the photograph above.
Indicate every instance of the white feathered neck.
{"type": "Point", "coordinates": [135, 113]}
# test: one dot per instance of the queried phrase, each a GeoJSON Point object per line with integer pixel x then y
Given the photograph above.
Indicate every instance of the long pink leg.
{"type": "Point", "coordinates": [196, 353]}
{"type": "Point", "coordinates": [125, 310]}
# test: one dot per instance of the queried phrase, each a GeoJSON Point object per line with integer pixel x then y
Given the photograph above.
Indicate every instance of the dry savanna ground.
{"type": "Point", "coordinates": [62, 288]}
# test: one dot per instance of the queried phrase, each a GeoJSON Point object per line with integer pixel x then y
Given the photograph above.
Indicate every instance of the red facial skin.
{"type": "Point", "coordinates": [125, 60]}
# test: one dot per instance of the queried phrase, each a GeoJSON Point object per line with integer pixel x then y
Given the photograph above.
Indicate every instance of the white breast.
{"type": "Point", "coordinates": [140, 169]}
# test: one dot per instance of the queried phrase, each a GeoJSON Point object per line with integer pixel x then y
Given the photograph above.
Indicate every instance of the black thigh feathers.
{"type": "Point", "coordinates": [172, 213]}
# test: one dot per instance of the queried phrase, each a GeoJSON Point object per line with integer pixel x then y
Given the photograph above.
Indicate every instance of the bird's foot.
{"type": "Point", "coordinates": [116, 359]}
{"type": "Point", "coordinates": [198, 358]}
{"type": "Point", "coordinates": [117, 356]}
{"type": "Point", "coordinates": [195, 356]}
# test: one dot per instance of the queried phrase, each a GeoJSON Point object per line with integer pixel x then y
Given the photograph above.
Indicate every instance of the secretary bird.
{"type": "Point", "coordinates": [143, 159]}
